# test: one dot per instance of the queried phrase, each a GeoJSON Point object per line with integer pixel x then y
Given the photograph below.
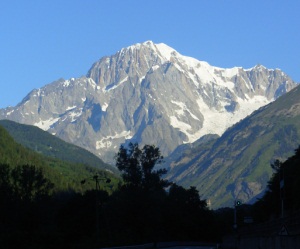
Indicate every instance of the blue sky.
{"type": "Point", "coordinates": [42, 41]}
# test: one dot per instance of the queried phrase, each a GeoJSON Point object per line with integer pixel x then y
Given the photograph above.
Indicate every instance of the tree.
{"type": "Point", "coordinates": [144, 209]}
{"type": "Point", "coordinates": [186, 216]}
{"type": "Point", "coordinates": [135, 211]}
{"type": "Point", "coordinates": [5, 184]}
{"type": "Point", "coordinates": [186, 199]}
{"type": "Point", "coordinates": [283, 189]}
{"type": "Point", "coordinates": [137, 167]}
{"type": "Point", "coordinates": [29, 183]}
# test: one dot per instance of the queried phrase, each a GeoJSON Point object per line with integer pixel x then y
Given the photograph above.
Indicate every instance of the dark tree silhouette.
{"type": "Point", "coordinates": [137, 166]}
{"type": "Point", "coordinates": [5, 184]}
{"type": "Point", "coordinates": [29, 183]}
{"type": "Point", "coordinates": [283, 189]}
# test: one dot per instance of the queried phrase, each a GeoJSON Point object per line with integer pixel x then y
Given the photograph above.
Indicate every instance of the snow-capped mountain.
{"type": "Point", "coordinates": [151, 94]}
{"type": "Point", "coordinates": [237, 164]}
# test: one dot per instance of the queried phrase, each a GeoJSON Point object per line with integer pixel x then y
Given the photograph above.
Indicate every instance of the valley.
{"type": "Point", "coordinates": [150, 94]}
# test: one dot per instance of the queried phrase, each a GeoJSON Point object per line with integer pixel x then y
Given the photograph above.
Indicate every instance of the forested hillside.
{"type": "Point", "coordinates": [65, 175]}
{"type": "Point", "coordinates": [236, 165]}
{"type": "Point", "coordinates": [283, 191]}
{"type": "Point", "coordinates": [44, 143]}
{"type": "Point", "coordinates": [47, 203]}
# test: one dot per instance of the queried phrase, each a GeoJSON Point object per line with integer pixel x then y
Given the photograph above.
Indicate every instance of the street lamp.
{"type": "Point", "coordinates": [236, 204]}
{"type": "Point", "coordinates": [96, 178]}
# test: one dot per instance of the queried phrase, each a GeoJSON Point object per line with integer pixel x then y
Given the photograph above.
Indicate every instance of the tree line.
{"type": "Point", "coordinates": [282, 196]}
{"type": "Point", "coordinates": [143, 208]}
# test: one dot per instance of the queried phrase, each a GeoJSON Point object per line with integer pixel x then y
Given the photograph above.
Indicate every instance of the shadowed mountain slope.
{"type": "Point", "coordinates": [150, 94]}
{"type": "Point", "coordinates": [237, 165]}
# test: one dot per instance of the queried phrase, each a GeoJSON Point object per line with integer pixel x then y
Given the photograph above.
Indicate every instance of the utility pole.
{"type": "Point", "coordinates": [97, 179]}
{"type": "Point", "coordinates": [281, 185]}
{"type": "Point", "coordinates": [234, 216]}
{"type": "Point", "coordinates": [236, 203]}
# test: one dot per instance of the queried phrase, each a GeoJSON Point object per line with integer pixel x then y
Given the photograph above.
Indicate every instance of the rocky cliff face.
{"type": "Point", "coordinates": [237, 164]}
{"type": "Point", "coordinates": [151, 94]}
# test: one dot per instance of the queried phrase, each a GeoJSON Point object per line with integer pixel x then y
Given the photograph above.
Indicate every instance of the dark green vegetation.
{"type": "Point", "coordinates": [44, 203]}
{"type": "Point", "coordinates": [65, 175]}
{"type": "Point", "coordinates": [236, 164]}
{"type": "Point", "coordinates": [142, 210]}
{"type": "Point", "coordinates": [34, 192]}
{"type": "Point", "coordinates": [280, 201]}
{"type": "Point", "coordinates": [35, 212]}
{"type": "Point", "coordinates": [49, 145]}
{"type": "Point", "coordinates": [282, 197]}
{"type": "Point", "coordinates": [283, 187]}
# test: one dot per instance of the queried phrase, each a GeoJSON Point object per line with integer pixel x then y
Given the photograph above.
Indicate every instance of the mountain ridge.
{"type": "Point", "coordinates": [48, 145]}
{"type": "Point", "coordinates": [151, 94]}
{"type": "Point", "coordinates": [237, 165]}
{"type": "Point", "coordinates": [66, 176]}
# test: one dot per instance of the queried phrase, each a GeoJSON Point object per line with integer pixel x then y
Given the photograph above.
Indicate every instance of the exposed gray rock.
{"type": "Point", "coordinates": [151, 94]}
{"type": "Point", "coordinates": [237, 164]}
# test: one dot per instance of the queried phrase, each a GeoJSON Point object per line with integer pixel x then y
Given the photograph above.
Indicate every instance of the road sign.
{"type": "Point", "coordinates": [248, 219]}
{"type": "Point", "coordinates": [283, 231]}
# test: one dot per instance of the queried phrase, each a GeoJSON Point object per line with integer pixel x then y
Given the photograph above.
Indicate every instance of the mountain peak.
{"type": "Point", "coordinates": [260, 67]}
{"type": "Point", "coordinates": [148, 44]}
{"type": "Point", "coordinates": [148, 93]}
{"type": "Point", "coordinates": [163, 50]}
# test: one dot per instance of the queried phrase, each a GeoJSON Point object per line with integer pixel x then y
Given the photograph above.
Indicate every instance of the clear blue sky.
{"type": "Point", "coordinates": [41, 41]}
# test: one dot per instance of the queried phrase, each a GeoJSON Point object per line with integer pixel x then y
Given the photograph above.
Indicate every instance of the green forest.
{"type": "Point", "coordinates": [49, 203]}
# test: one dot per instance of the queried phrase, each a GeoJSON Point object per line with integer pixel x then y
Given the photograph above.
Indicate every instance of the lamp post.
{"type": "Point", "coordinates": [234, 217]}
{"type": "Point", "coordinates": [96, 178]}
{"type": "Point", "coordinates": [236, 203]}
{"type": "Point", "coordinates": [281, 190]}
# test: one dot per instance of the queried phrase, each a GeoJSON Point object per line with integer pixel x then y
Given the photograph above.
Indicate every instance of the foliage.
{"type": "Point", "coordinates": [23, 192]}
{"type": "Point", "coordinates": [137, 166]}
{"type": "Point", "coordinates": [244, 151]}
{"type": "Point", "coordinates": [149, 208]}
{"type": "Point", "coordinates": [51, 146]}
{"type": "Point", "coordinates": [29, 183]}
{"type": "Point", "coordinates": [283, 185]}
{"type": "Point", "coordinates": [26, 183]}
{"type": "Point", "coordinates": [64, 175]}
{"type": "Point", "coordinates": [43, 204]}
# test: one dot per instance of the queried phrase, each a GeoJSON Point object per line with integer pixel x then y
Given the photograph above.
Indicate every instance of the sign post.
{"type": "Point", "coordinates": [283, 231]}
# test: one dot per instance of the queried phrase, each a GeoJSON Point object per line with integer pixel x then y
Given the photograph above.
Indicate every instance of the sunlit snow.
{"type": "Point", "coordinates": [70, 107]}
{"type": "Point", "coordinates": [106, 142]}
{"type": "Point", "coordinates": [182, 126]}
{"type": "Point", "coordinates": [46, 124]}
{"type": "Point", "coordinates": [104, 107]}
{"type": "Point", "coordinates": [215, 122]}
{"type": "Point", "coordinates": [155, 67]}
{"type": "Point", "coordinates": [141, 79]}
{"type": "Point", "coordinates": [75, 114]}
{"type": "Point", "coordinates": [202, 71]}
{"type": "Point", "coordinates": [183, 108]}
{"type": "Point", "coordinates": [116, 85]}
{"type": "Point", "coordinates": [92, 83]}
{"type": "Point", "coordinates": [165, 51]}
{"type": "Point", "coordinates": [66, 83]}
{"type": "Point", "coordinates": [230, 72]}
{"type": "Point", "coordinates": [9, 113]}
